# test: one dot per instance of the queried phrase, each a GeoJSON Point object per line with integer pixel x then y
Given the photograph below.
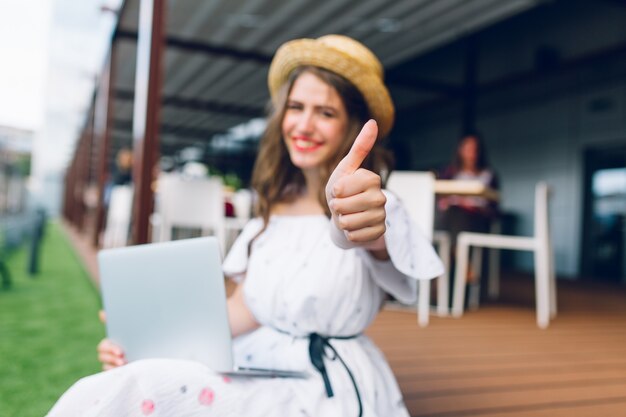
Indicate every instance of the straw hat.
{"type": "Point", "coordinates": [344, 56]}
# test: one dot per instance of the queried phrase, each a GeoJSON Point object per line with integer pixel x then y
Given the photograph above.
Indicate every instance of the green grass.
{"type": "Point", "coordinates": [48, 328]}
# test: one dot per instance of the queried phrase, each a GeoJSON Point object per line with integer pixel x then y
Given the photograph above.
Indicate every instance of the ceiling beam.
{"type": "Point", "coordinates": [180, 131]}
{"type": "Point", "coordinates": [599, 58]}
{"type": "Point", "coordinates": [246, 55]}
{"type": "Point", "coordinates": [167, 142]}
{"type": "Point", "coordinates": [199, 105]}
{"type": "Point", "coordinates": [201, 47]}
{"type": "Point", "coordinates": [422, 84]}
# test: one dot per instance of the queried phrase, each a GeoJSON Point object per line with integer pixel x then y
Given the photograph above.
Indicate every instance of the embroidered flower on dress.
{"type": "Point", "coordinates": [147, 407]}
{"type": "Point", "coordinates": [206, 396]}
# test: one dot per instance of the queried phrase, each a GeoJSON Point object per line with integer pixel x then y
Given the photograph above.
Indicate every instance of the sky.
{"type": "Point", "coordinates": [24, 28]}
{"type": "Point", "coordinates": [51, 53]}
{"type": "Point", "coordinates": [77, 43]}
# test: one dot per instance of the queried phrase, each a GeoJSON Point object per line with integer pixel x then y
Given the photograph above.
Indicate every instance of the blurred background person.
{"type": "Point", "coordinates": [121, 174]}
{"type": "Point", "coordinates": [457, 213]}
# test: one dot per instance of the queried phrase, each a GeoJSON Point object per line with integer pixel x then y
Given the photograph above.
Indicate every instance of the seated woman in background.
{"type": "Point", "coordinates": [458, 213]}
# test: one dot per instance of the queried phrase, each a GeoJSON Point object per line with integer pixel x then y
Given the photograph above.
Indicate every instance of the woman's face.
{"type": "Point", "coordinates": [468, 151]}
{"type": "Point", "coordinates": [315, 122]}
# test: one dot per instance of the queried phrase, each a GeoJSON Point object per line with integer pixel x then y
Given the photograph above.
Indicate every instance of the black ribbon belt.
{"type": "Point", "coordinates": [317, 353]}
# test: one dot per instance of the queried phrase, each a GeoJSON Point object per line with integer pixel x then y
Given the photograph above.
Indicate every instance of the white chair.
{"type": "Point", "coordinates": [493, 274]}
{"type": "Point", "coordinates": [118, 217]}
{"type": "Point", "coordinates": [443, 242]}
{"type": "Point", "coordinates": [539, 243]}
{"type": "Point", "coordinates": [417, 192]}
{"type": "Point", "coordinates": [242, 204]}
{"type": "Point", "coordinates": [192, 203]}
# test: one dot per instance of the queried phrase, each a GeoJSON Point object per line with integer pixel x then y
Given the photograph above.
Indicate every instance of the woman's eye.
{"type": "Point", "coordinates": [294, 106]}
{"type": "Point", "coordinates": [328, 114]}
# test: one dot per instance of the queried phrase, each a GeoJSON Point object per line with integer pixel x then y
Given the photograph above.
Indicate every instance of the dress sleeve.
{"type": "Point", "coordinates": [235, 264]}
{"type": "Point", "coordinates": [412, 255]}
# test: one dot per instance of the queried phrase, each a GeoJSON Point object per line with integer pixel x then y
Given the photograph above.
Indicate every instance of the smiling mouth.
{"type": "Point", "coordinates": [305, 144]}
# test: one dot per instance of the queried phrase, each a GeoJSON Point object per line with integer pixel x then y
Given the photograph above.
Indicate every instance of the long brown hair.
{"type": "Point", "coordinates": [275, 178]}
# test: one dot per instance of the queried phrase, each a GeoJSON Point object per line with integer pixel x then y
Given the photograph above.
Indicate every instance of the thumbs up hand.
{"type": "Point", "coordinates": [355, 198]}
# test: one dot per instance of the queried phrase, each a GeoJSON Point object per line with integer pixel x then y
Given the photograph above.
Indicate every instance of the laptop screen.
{"type": "Point", "coordinates": [167, 300]}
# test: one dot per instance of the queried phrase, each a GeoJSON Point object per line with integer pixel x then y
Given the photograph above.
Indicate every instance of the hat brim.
{"type": "Point", "coordinates": [302, 52]}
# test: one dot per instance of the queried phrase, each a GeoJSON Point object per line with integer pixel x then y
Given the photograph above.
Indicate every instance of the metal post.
{"type": "Point", "coordinates": [102, 137]}
{"type": "Point", "coordinates": [469, 98]}
{"type": "Point", "coordinates": [146, 113]}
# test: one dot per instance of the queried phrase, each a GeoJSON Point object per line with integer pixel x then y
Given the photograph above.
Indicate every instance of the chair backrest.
{"type": "Point", "coordinates": [417, 191]}
{"type": "Point", "coordinates": [193, 202]}
{"type": "Point", "coordinates": [542, 228]}
{"type": "Point", "coordinates": [118, 216]}
{"type": "Point", "coordinates": [242, 201]}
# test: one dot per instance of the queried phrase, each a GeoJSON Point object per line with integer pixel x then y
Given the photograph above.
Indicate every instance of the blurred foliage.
{"type": "Point", "coordinates": [230, 179]}
{"type": "Point", "coordinates": [233, 180]}
{"type": "Point", "coordinates": [15, 164]}
{"type": "Point", "coordinates": [23, 164]}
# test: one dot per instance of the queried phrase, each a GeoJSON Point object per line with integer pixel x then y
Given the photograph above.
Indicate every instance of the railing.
{"type": "Point", "coordinates": [16, 230]}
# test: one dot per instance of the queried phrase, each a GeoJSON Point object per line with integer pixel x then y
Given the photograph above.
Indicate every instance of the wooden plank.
{"type": "Point", "coordinates": [609, 407]}
{"type": "Point", "coordinates": [495, 362]}
{"type": "Point", "coordinates": [486, 403]}
{"type": "Point", "coordinates": [415, 386]}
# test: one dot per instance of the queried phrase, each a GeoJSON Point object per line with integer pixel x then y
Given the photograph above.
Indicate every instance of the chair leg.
{"type": "Point", "coordinates": [155, 224]}
{"type": "Point", "coordinates": [423, 303]}
{"type": "Point", "coordinates": [166, 232]}
{"type": "Point", "coordinates": [443, 295]}
{"type": "Point", "coordinates": [220, 233]}
{"type": "Point", "coordinates": [476, 267]}
{"type": "Point", "coordinates": [494, 273]}
{"type": "Point", "coordinates": [542, 287]}
{"type": "Point", "coordinates": [552, 278]}
{"type": "Point", "coordinates": [460, 275]}
{"type": "Point", "coordinates": [122, 236]}
{"type": "Point", "coordinates": [494, 263]}
{"type": "Point", "coordinates": [443, 282]}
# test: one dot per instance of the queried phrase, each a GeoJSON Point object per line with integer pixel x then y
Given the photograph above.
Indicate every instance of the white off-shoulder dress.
{"type": "Point", "coordinates": [297, 283]}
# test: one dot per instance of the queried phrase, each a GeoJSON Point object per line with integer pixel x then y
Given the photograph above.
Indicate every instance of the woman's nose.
{"type": "Point", "coordinates": [305, 122]}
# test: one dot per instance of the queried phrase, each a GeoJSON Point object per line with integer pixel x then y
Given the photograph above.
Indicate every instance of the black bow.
{"type": "Point", "coordinates": [317, 352]}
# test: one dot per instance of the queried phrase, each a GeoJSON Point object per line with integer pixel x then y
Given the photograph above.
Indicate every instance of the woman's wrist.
{"type": "Point", "coordinates": [380, 254]}
{"type": "Point", "coordinates": [377, 248]}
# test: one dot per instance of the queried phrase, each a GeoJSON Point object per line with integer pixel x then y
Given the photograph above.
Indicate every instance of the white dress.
{"type": "Point", "coordinates": [297, 283]}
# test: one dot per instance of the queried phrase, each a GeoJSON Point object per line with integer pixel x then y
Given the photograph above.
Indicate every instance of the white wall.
{"type": "Point", "coordinates": [542, 140]}
{"type": "Point", "coordinates": [537, 130]}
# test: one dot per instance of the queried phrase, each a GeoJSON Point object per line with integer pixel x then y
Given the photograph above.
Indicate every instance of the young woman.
{"type": "Point", "coordinates": [313, 268]}
{"type": "Point", "coordinates": [468, 213]}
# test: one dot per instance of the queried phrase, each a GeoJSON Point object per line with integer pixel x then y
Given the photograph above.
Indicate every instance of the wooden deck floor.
{"type": "Point", "coordinates": [495, 362]}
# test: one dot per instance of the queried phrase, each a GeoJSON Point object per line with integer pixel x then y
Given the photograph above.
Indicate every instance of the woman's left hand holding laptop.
{"type": "Point", "coordinates": [110, 354]}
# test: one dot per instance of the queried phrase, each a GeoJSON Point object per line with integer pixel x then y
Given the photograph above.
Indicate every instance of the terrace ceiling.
{"type": "Point", "coordinates": [218, 53]}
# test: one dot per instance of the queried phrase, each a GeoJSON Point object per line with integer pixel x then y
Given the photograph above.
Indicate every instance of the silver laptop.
{"type": "Point", "coordinates": [167, 300]}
